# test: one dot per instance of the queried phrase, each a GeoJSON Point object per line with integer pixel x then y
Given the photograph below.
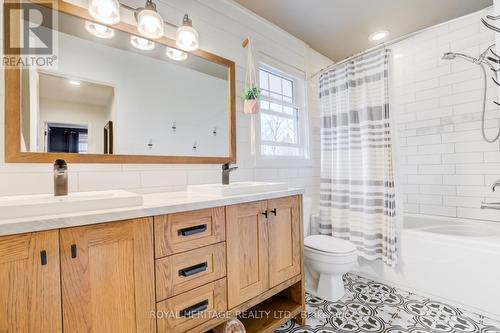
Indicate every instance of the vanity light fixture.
{"type": "Point", "coordinates": [105, 11]}
{"type": "Point", "coordinates": [187, 37]}
{"type": "Point", "coordinates": [149, 23]}
{"type": "Point", "coordinates": [142, 43]}
{"type": "Point", "coordinates": [99, 30]}
{"type": "Point", "coordinates": [176, 55]}
{"type": "Point", "coordinates": [378, 35]}
{"type": "Point", "coordinates": [75, 83]}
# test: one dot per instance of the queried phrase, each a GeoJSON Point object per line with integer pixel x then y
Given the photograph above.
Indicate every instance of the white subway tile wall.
{"type": "Point", "coordinates": [446, 168]}
{"type": "Point", "coordinates": [224, 25]}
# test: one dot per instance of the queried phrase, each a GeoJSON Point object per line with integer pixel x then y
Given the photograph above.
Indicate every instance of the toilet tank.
{"type": "Point", "coordinates": [307, 206]}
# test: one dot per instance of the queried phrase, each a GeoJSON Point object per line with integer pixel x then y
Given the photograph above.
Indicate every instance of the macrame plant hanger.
{"type": "Point", "coordinates": [251, 93]}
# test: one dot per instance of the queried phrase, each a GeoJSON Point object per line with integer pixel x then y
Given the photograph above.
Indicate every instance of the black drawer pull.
{"type": "Point", "coordinates": [73, 251]}
{"type": "Point", "coordinates": [275, 212]}
{"type": "Point", "coordinates": [192, 230]}
{"type": "Point", "coordinates": [194, 309]}
{"type": "Point", "coordinates": [265, 213]}
{"type": "Point", "coordinates": [193, 269]}
{"type": "Point", "coordinates": [43, 257]}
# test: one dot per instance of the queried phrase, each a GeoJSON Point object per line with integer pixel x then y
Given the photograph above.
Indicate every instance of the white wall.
{"type": "Point", "coordinates": [56, 111]}
{"type": "Point", "coordinates": [222, 26]}
{"type": "Point", "coordinates": [446, 167]}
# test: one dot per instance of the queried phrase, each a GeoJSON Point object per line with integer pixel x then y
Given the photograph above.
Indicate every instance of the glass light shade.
{"type": "Point", "coordinates": [99, 30]}
{"type": "Point", "coordinates": [150, 24]}
{"type": "Point", "coordinates": [105, 11]}
{"type": "Point", "coordinates": [186, 38]}
{"type": "Point", "coordinates": [176, 55]}
{"type": "Point", "coordinates": [142, 43]}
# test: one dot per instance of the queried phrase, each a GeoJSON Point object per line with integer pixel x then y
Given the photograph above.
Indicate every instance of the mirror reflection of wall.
{"type": "Point", "coordinates": [156, 105]}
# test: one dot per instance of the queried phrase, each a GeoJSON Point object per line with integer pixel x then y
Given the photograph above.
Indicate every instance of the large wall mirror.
{"type": "Point", "coordinates": [115, 97]}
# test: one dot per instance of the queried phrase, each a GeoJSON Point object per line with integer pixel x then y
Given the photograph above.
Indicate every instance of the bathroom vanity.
{"type": "Point", "coordinates": [163, 269]}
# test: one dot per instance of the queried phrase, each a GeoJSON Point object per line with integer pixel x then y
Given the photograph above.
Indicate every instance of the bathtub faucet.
{"type": "Point", "coordinates": [492, 205]}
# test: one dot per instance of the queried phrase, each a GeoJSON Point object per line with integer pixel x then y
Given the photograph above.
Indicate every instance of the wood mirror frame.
{"type": "Point", "coordinates": [13, 153]}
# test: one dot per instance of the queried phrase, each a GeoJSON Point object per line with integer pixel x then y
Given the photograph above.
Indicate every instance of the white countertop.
{"type": "Point", "coordinates": [154, 204]}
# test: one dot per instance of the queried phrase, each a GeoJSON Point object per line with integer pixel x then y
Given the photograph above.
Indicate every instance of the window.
{"type": "Point", "coordinates": [282, 120]}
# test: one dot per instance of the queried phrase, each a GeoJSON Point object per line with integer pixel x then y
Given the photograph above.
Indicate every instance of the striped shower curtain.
{"type": "Point", "coordinates": [357, 195]}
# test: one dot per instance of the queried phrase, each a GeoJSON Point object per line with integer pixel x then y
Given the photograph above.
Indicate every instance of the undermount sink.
{"type": "Point", "coordinates": [237, 188]}
{"type": "Point", "coordinates": [48, 204]}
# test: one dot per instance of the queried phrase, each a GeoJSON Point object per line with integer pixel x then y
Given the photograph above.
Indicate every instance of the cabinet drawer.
{"type": "Point", "coordinates": [186, 311]}
{"type": "Point", "coordinates": [185, 271]}
{"type": "Point", "coordinates": [186, 231]}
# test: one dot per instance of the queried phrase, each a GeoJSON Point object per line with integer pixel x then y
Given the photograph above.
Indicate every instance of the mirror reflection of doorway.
{"type": "Point", "coordinates": [67, 138]}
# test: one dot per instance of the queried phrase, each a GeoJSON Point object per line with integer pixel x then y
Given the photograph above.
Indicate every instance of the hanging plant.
{"type": "Point", "coordinates": [251, 93]}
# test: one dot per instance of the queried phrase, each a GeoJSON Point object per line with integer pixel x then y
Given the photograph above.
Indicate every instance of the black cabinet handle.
{"type": "Point", "coordinates": [73, 251]}
{"type": "Point", "coordinates": [275, 212]}
{"type": "Point", "coordinates": [43, 257]}
{"type": "Point", "coordinates": [265, 213]}
{"type": "Point", "coordinates": [194, 309]}
{"type": "Point", "coordinates": [193, 269]}
{"type": "Point", "coordinates": [192, 230]}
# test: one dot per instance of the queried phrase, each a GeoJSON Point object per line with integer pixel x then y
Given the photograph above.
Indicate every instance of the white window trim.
{"type": "Point", "coordinates": [300, 91]}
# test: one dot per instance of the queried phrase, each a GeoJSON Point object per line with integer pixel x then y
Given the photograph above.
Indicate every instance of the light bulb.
{"type": "Point", "coordinates": [176, 55]}
{"type": "Point", "coordinates": [150, 23]}
{"type": "Point", "coordinates": [141, 43]}
{"type": "Point", "coordinates": [99, 30]}
{"type": "Point", "coordinates": [186, 36]}
{"type": "Point", "coordinates": [105, 11]}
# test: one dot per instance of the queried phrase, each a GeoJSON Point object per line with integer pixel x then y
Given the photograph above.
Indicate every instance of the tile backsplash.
{"type": "Point", "coordinates": [445, 166]}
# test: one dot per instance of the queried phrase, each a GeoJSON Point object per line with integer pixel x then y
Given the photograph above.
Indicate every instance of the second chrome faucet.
{"type": "Point", "coordinates": [226, 169]}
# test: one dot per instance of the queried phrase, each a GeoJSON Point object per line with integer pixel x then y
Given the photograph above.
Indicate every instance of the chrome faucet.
{"type": "Point", "coordinates": [60, 178]}
{"type": "Point", "coordinates": [225, 173]}
{"type": "Point", "coordinates": [492, 205]}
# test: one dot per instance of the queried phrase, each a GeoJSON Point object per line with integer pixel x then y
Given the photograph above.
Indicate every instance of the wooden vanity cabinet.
{"type": "Point", "coordinates": [108, 277]}
{"type": "Point", "coordinates": [263, 246]}
{"type": "Point", "coordinates": [119, 276]}
{"type": "Point", "coordinates": [30, 287]}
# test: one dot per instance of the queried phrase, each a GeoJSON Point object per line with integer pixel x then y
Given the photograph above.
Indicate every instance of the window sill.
{"type": "Point", "coordinates": [291, 162]}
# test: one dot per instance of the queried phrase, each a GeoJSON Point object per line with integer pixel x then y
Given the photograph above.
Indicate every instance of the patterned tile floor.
{"type": "Point", "coordinates": [370, 306]}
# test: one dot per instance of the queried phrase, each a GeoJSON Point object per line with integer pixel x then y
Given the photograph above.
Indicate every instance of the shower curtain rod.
{"type": "Point", "coordinates": [391, 42]}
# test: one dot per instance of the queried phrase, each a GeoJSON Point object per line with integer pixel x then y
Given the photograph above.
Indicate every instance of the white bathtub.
{"type": "Point", "coordinates": [451, 259]}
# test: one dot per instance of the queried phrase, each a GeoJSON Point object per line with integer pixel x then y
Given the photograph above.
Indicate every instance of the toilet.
{"type": "Point", "coordinates": [327, 259]}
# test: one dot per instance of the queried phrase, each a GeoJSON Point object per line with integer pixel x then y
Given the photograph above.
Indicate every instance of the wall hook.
{"type": "Point", "coordinates": [214, 132]}
{"type": "Point", "coordinates": [174, 126]}
{"type": "Point", "coordinates": [150, 144]}
{"type": "Point", "coordinates": [195, 145]}
{"type": "Point", "coordinates": [245, 42]}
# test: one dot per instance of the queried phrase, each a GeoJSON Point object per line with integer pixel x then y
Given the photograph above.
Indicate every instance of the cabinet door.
{"type": "Point", "coordinates": [247, 256]}
{"type": "Point", "coordinates": [30, 292]}
{"type": "Point", "coordinates": [108, 277]}
{"type": "Point", "coordinates": [285, 238]}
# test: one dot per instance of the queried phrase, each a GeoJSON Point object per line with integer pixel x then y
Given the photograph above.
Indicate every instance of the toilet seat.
{"type": "Point", "coordinates": [328, 245]}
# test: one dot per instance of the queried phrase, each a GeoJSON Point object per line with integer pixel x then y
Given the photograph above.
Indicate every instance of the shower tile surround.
{"type": "Point", "coordinates": [224, 25]}
{"type": "Point", "coordinates": [369, 306]}
{"type": "Point", "coordinates": [445, 166]}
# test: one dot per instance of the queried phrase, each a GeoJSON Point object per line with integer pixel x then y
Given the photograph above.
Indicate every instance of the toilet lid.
{"type": "Point", "coordinates": [329, 244]}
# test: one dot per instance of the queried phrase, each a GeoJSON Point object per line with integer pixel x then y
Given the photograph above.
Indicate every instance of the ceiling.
{"type": "Point", "coordinates": [58, 88]}
{"type": "Point", "coordinates": [340, 28]}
